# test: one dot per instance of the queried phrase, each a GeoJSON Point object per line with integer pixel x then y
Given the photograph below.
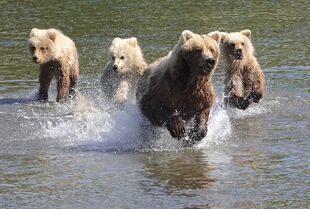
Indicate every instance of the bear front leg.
{"type": "Point", "coordinates": [63, 84]}
{"type": "Point", "coordinates": [234, 90]}
{"type": "Point", "coordinates": [257, 90]}
{"type": "Point", "coordinates": [238, 102]}
{"type": "Point", "coordinates": [256, 82]}
{"type": "Point", "coordinates": [45, 80]}
{"type": "Point", "coordinates": [122, 92]}
{"type": "Point", "coordinates": [176, 125]}
{"type": "Point", "coordinates": [255, 96]}
{"type": "Point", "coordinates": [162, 115]}
{"type": "Point", "coordinates": [200, 128]}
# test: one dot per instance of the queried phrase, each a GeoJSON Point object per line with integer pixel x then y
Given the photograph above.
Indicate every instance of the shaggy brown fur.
{"type": "Point", "coordinates": [244, 79]}
{"type": "Point", "coordinates": [178, 88]}
{"type": "Point", "coordinates": [57, 56]}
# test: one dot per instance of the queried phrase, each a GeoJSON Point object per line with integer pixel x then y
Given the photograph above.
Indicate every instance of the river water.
{"type": "Point", "coordinates": [84, 154]}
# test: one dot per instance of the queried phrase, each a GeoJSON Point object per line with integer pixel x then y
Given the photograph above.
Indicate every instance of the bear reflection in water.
{"type": "Point", "coordinates": [179, 170]}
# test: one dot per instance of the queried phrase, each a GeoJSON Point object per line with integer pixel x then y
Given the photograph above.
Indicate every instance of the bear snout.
{"type": "Point", "coordinates": [238, 54]}
{"type": "Point", "coordinates": [208, 64]}
{"type": "Point", "coordinates": [35, 59]}
{"type": "Point", "coordinates": [115, 68]}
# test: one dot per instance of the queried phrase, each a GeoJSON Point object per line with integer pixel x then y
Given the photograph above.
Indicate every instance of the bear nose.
{"type": "Point", "coordinates": [115, 67]}
{"type": "Point", "coordinates": [239, 51]}
{"type": "Point", "coordinates": [210, 62]}
{"type": "Point", "coordinates": [35, 59]}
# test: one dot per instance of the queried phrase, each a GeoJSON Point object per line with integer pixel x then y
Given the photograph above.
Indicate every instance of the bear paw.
{"type": "Point", "coordinates": [72, 93]}
{"type": "Point", "coordinates": [254, 96]}
{"type": "Point", "coordinates": [176, 126]}
{"type": "Point", "coordinates": [197, 135]}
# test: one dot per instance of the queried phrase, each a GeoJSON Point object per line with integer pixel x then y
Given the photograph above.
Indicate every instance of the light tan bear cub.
{"type": "Point", "coordinates": [177, 88]}
{"type": "Point", "coordinates": [122, 73]}
{"type": "Point", "coordinates": [244, 78]}
{"type": "Point", "coordinates": [57, 56]}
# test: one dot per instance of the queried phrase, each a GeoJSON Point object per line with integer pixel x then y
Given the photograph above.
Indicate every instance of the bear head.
{"type": "Point", "coordinates": [42, 45]}
{"type": "Point", "coordinates": [200, 52]}
{"type": "Point", "coordinates": [236, 46]}
{"type": "Point", "coordinates": [125, 54]}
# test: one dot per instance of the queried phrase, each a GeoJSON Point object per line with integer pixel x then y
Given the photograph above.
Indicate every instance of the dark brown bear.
{"type": "Point", "coordinates": [178, 88]}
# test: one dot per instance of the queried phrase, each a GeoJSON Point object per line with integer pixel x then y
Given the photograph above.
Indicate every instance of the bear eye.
{"type": "Point", "coordinates": [42, 48]}
{"type": "Point", "coordinates": [32, 48]}
{"type": "Point", "coordinates": [113, 58]}
{"type": "Point", "coordinates": [232, 44]}
{"type": "Point", "coordinates": [122, 57]}
{"type": "Point", "coordinates": [242, 43]}
{"type": "Point", "coordinates": [211, 50]}
{"type": "Point", "coordinates": [198, 50]}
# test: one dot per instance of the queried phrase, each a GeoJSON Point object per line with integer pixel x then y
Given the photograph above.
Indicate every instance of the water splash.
{"type": "Point", "coordinates": [219, 127]}
{"type": "Point", "coordinates": [97, 125]}
{"type": "Point", "coordinates": [91, 123]}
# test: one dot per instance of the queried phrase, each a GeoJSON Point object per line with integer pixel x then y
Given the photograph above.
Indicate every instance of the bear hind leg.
{"type": "Point", "coordinates": [63, 84]}
{"type": "Point", "coordinates": [72, 87]}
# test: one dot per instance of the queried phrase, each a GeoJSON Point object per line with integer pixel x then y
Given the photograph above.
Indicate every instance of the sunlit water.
{"type": "Point", "coordinates": [87, 154]}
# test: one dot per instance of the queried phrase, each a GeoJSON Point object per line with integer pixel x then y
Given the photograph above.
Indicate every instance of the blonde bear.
{"type": "Point", "coordinates": [244, 78]}
{"type": "Point", "coordinates": [122, 73]}
{"type": "Point", "coordinates": [57, 56]}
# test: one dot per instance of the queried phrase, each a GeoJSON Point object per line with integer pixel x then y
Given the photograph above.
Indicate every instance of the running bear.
{"type": "Point", "coordinates": [244, 78]}
{"type": "Point", "coordinates": [57, 56]}
{"type": "Point", "coordinates": [126, 66]}
{"type": "Point", "coordinates": [178, 88]}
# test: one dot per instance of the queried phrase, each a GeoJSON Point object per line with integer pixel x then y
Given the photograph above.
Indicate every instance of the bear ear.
{"type": "Point", "coordinates": [115, 40]}
{"type": "Point", "coordinates": [186, 35]}
{"type": "Point", "coordinates": [224, 36]}
{"type": "Point", "coordinates": [133, 41]}
{"type": "Point", "coordinates": [247, 33]}
{"type": "Point", "coordinates": [216, 35]}
{"type": "Point", "coordinates": [33, 32]}
{"type": "Point", "coordinates": [51, 34]}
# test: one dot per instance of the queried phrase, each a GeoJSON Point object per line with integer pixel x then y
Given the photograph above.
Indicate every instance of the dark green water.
{"type": "Point", "coordinates": [79, 155]}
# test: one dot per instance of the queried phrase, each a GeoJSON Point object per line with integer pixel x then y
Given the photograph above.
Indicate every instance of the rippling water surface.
{"type": "Point", "coordinates": [85, 154]}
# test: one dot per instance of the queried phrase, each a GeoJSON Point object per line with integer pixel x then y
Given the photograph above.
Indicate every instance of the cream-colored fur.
{"type": "Point", "coordinates": [62, 47]}
{"type": "Point", "coordinates": [57, 56]}
{"type": "Point", "coordinates": [126, 66]}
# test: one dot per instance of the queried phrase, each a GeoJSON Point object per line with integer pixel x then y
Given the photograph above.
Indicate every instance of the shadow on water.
{"type": "Point", "coordinates": [10, 101]}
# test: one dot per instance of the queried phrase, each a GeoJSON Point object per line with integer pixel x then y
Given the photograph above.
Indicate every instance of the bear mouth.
{"type": "Point", "coordinates": [208, 65]}
{"type": "Point", "coordinates": [206, 69]}
{"type": "Point", "coordinates": [238, 56]}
